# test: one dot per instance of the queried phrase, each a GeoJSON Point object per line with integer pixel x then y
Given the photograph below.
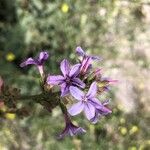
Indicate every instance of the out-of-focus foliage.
{"type": "Point", "coordinates": [117, 30]}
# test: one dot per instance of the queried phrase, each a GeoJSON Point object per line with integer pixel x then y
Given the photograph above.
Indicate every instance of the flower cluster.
{"type": "Point", "coordinates": [82, 83]}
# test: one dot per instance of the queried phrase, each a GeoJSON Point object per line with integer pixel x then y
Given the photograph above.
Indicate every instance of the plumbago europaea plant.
{"type": "Point", "coordinates": [80, 83]}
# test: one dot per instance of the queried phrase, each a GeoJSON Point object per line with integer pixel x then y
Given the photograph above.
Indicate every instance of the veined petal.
{"type": "Point", "coordinates": [92, 90]}
{"type": "Point", "coordinates": [71, 130]}
{"type": "Point", "coordinates": [64, 89]}
{"type": "Point", "coordinates": [76, 108]}
{"type": "Point", "coordinates": [55, 80]}
{"type": "Point", "coordinates": [29, 61]}
{"type": "Point", "coordinates": [65, 67]}
{"type": "Point", "coordinates": [104, 110]}
{"type": "Point", "coordinates": [75, 70]}
{"type": "Point", "coordinates": [78, 82]}
{"type": "Point", "coordinates": [95, 119]}
{"type": "Point", "coordinates": [80, 51]}
{"type": "Point", "coordinates": [43, 56]}
{"type": "Point", "coordinates": [89, 111]}
{"type": "Point", "coordinates": [76, 93]}
{"type": "Point", "coordinates": [96, 103]}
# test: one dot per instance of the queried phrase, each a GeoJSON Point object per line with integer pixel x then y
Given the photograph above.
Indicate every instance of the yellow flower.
{"type": "Point", "coordinates": [134, 129]}
{"type": "Point", "coordinates": [122, 120]}
{"type": "Point", "coordinates": [10, 56]}
{"type": "Point", "coordinates": [123, 130]}
{"type": "Point", "coordinates": [65, 8]}
{"type": "Point", "coordinates": [10, 116]}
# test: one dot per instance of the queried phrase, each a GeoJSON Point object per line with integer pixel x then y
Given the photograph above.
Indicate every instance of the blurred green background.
{"type": "Point", "coordinates": [117, 30]}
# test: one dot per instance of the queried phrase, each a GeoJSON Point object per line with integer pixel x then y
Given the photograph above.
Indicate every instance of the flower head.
{"type": "Point", "coordinates": [39, 61]}
{"type": "Point", "coordinates": [70, 129]}
{"type": "Point", "coordinates": [67, 79]}
{"type": "Point", "coordinates": [65, 8]}
{"type": "Point", "coordinates": [10, 57]}
{"type": "Point", "coordinates": [86, 60]}
{"type": "Point", "coordinates": [87, 102]}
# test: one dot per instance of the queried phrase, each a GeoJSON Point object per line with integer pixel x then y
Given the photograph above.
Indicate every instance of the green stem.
{"type": "Point", "coordinates": [65, 112]}
{"type": "Point", "coordinates": [48, 100]}
{"type": "Point", "coordinates": [63, 107]}
{"type": "Point", "coordinates": [28, 97]}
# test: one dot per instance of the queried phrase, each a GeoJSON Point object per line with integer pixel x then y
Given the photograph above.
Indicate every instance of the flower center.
{"type": "Point", "coordinates": [67, 80]}
{"type": "Point", "coordinates": [85, 99]}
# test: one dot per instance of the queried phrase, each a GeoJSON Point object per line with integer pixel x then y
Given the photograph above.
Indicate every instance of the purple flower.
{"type": "Point", "coordinates": [70, 129]}
{"type": "Point", "coordinates": [86, 60]}
{"type": "Point", "coordinates": [87, 102]}
{"type": "Point", "coordinates": [101, 111]}
{"type": "Point", "coordinates": [69, 78]}
{"type": "Point", "coordinates": [39, 61]}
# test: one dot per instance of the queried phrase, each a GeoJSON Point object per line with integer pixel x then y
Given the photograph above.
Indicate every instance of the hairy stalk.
{"type": "Point", "coordinates": [48, 100]}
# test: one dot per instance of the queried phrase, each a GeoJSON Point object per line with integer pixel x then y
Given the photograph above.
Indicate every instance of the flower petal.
{"type": "Point", "coordinates": [76, 93]}
{"type": "Point", "coordinates": [80, 51]}
{"type": "Point", "coordinates": [43, 56]}
{"type": "Point", "coordinates": [96, 103]}
{"type": "Point", "coordinates": [76, 130]}
{"type": "Point", "coordinates": [76, 108]}
{"type": "Point", "coordinates": [85, 65]}
{"type": "Point", "coordinates": [104, 110]}
{"type": "Point", "coordinates": [95, 119]}
{"type": "Point", "coordinates": [78, 82]}
{"type": "Point", "coordinates": [89, 111]}
{"type": "Point", "coordinates": [29, 61]}
{"type": "Point", "coordinates": [64, 89]}
{"type": "Point", "coordinates": [75, 70]}
{"type": "Point", "coordinates": [71, 130]}
{"type": "Point", "coordinates": [65, 67]}
{"type": "Point", "coordinates": [100, 106]}
{"type": "Point", "coordinates": [92, 91]}
{"type": "Point", "coordinates": [55, 80]}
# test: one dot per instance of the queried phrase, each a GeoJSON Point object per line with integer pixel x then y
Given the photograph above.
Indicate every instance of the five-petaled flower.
{"type": "Point", "coordinates": [86, 60]}
{"type": "Point", "coordinates": [70, 129]}
{"type": "Point", "coordinates": [69, 78]}
{"type": "Point", "coordinates": [82, 83]}
{"type": "Point", "coordinates": [87, 102]}
{"type": "Point", "coordinates": [39, 61]}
